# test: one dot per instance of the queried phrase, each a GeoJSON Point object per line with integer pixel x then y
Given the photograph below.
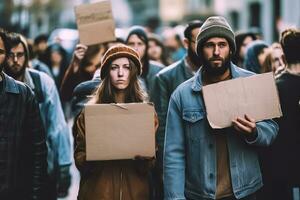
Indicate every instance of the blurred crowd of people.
{"type": "Point", "coordinates": [44, 89]}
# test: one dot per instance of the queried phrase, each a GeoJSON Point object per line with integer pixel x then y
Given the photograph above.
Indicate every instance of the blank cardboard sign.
{"type": "Point", "coordinates": [255, 96]}
{"type": "Point", "coordinates": [119, 131]}
{"type": "Point", "coordinates": [95, 23]}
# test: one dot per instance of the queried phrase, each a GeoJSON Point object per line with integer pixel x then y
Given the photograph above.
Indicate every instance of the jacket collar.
{"type": "Point", "coordinates": [28, 79]}
{"type": "Point", "coordinates": [10, 84]}
{"type": "Point", "coordinates": [197, 82]}
{"type": "Point", "coordinates": [186, 69]}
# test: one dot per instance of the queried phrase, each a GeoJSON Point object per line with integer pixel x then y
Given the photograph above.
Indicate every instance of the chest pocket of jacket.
{"type": "Point", "coordinates": [194, 119]}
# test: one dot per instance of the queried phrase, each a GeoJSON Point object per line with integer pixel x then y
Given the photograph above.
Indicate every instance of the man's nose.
{"type": "Point", "coordinates": [15, 58]}
{"type": "Point", "coordinates": [216, 50]}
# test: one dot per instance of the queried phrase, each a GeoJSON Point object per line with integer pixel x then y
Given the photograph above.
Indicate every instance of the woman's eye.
{"type": "Point", "coordinates": [114, 68]}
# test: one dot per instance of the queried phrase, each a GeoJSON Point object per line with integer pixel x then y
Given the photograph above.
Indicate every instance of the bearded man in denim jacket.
{"type": "Point", "coordinates": [205, 163]}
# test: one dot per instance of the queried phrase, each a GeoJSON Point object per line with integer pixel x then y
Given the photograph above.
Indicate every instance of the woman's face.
{"type": "Point", "coordinates": [246, 41]}
{"type": "Point", "coordinates": [137, 44]}
{"type": "Point", "coordinates": [119, 73]}
{"type": "Point", "coordinates": [276, 58]}
{"type": "Point", "coordinates": [262, 56]}
{"type": "Point", "coordinates": [154, 50]}
{"type": "Point", "coordinates": [56, 58]}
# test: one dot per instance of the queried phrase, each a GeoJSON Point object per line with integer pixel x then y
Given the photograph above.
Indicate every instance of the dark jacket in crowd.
{"type": "Point", "coordinates": [23, 152]}
{"type": "Point", "coordinates": [82, 93]}
{"type": "Point", "coordinates": [166, 81]}
{"type": "Point", "coordinates": [281, 159]}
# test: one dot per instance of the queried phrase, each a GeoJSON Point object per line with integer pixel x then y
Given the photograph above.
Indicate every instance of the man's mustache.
{"type": "Point", "coordinates": [216, 59]}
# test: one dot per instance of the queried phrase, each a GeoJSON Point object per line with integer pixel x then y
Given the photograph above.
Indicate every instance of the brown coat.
{"type": "Point", "coordinates": [110, 180]}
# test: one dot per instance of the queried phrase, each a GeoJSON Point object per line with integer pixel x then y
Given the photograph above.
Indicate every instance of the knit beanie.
{"type": "Point", "coordinates": [215, 26]}
{"type": "Point", "coordinates": [119, 51]}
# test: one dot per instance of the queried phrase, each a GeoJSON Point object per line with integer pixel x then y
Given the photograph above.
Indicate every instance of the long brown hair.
{"type": "Point", "coordinates": [106, 91]}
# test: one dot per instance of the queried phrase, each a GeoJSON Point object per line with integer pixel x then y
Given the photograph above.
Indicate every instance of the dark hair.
{"type": "Point", "coordinates": [90, 53]}
{"type": "Point", "coordinates": [190, 27]}
{"type": "Point", "coordinates": [140, 32]}
{"type": "Point", "coordinates": [40, 38]}
{"type": "Point", "coordinates": [3, 35]}
{"type": "Point", "coordinates": [133, 93]}
{"type": "Point", "coordinates": [14, 39]}
{"type": "Point", "coordinates": [158, 42]}
{"type": "Point", "coordinates": [290, 42]}
{"type": "Point", "coordinates": [239, 40]}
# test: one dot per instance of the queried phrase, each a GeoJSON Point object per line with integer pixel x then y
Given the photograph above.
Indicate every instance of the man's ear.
{"type": "Point", "coordinates": [186, 43]}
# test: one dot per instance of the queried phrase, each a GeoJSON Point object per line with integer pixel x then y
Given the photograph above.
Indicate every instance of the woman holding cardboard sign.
{"type": "Point", "coordinates": [115, 179]}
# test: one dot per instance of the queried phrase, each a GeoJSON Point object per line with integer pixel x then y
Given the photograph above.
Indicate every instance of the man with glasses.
{"type": "Point", "coordinates": [58, 133]}
{"type": "Point", "coordinates": [23, 149]}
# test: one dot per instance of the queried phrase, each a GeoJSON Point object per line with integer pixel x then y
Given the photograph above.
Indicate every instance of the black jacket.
{"type": "Point", "coordinates": [23, 152]}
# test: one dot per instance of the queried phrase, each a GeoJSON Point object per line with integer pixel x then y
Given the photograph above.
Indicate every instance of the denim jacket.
{"type": "Point", "coordinates": [190, 147]}
{"type": "Point", "coordinates": [58, 132]}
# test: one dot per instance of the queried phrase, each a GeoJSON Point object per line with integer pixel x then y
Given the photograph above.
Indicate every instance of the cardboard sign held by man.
{"type": "Point", "coordinates": [255, 96]}
{"type": "Point", "coordinates": [95, 23]}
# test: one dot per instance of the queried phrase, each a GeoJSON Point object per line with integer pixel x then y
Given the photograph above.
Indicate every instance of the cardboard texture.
{"type": "Point", "coordinates": [95, 23]}
{"type": "Point", "coordinates": [119, 131]}
{"type": "Point", "coordinates": [255, 96]}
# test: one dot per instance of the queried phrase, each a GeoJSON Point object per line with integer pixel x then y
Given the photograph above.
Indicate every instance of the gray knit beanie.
{"type": "Point", "coordinates": [215, 26]}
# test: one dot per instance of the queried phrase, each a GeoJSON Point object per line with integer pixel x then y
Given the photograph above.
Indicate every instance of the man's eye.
{"type": "Point", "coordinates": [209, 45]}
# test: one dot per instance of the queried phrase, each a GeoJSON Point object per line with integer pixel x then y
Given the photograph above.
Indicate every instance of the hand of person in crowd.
{"type": "Point", "coordinates": [246, 126]}
{"type": "Point", "coordinates": [79, 53]}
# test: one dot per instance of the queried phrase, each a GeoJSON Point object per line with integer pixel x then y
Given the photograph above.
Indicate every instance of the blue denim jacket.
{"type": "Point", "coordinates": [190, 147]}
{"type": "Point", "coordinates": [58, 132]}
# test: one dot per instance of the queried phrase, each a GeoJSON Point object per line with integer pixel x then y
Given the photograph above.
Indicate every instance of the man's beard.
{"type": "Point", "coordinates": [194, 58]}
{"type": "Point", "coordinates": [13, 73]}
{"type": "Point", "coordinates": [216, 71]}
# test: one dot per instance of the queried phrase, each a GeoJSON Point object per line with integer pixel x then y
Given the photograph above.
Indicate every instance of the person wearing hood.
{"type": "Point", "coordinates": [137, 39]}
{"type": "Point", "coordinates": [256, 53]}
{"type": "Point", "coordinates": [242, 40]}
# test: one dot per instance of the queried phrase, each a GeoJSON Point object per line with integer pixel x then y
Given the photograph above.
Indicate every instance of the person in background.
{"type": "Point", "coordinates": [120, 68]}
{"type": "Point", "coordinates": [205, 163]}
{"type": "Point", "coordinates": [173, 44]}
{"type": "Point", "coordinates": [255, 56]}
{"type": "Point", "coordinates": [166, 81]}
{"type": "Point", "coordinates": [242, 40]}
{"type": "Point", "coordinates": [274, 60]}
{"type": "Point", "coordinates": [56, 60]}
{"type": "Point", "coordinates": [40, 45]}
{"type": "Point", "coordinates": [35, 63]}
{"type": "Point", "coordinates": [57, 132]}
{"type": "Point", "coordinates": [23, 151]}
{"type": "Point", "coordinates": [157, 50]}
{"type": "Point", "coordinates": [138, 40]}
{"type": "Point", "coordinates": [82, 93]}
{"type": "Point", "coordinates": [86, 60]}
{"type": "Point", "coordinates": [281, 162]}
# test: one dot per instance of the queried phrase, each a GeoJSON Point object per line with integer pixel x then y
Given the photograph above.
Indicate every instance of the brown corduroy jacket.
{"type": "Point", "coordinates": [110, 180]}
